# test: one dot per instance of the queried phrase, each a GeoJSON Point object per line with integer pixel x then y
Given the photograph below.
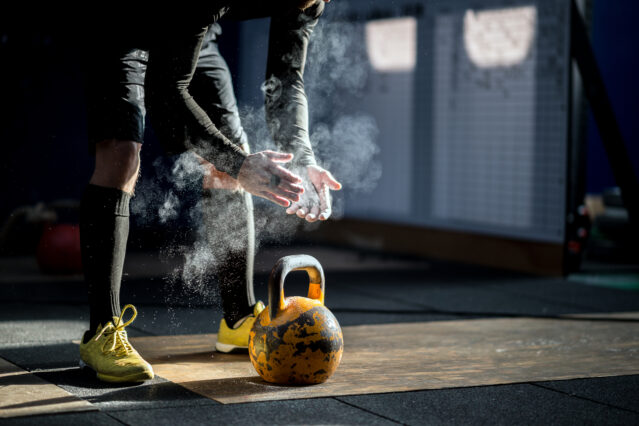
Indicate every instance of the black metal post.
{"type": "Point", "coordinates": [595, 92]}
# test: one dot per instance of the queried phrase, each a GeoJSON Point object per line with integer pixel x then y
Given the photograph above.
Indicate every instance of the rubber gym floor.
{"type": "Point", "coordinates": [41, 317]}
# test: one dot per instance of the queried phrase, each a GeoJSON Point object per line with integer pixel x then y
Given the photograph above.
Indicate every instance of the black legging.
{"type": "Point", "coordinates": [117, 111]}
{"type": "Point", "coordinates": [227, 215]}
{"type": "Point", "coordinates": [118, 77]}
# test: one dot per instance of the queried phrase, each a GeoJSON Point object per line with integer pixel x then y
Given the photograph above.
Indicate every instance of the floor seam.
{"type": "Point", "coordinates": [114, 418]}
{"type": "Point", "coordinates": [374, 295]}
{"type": "Point", "coordinates": [431, 310]}
{"type": "Point", "coordinates": [586, 308]}
{"type": "Point", "coordinates": [369, 411]}
{"type": "Point", "coordinates": [606, 404]}
{"type": "Point", "coordinates": [185, 405]}
{"type": "Point", "coordinates": [436, 311]}
{"type": "Point", "coordinates": [31, 343]}
{"type": "Point", "coordinates": [493, 288]}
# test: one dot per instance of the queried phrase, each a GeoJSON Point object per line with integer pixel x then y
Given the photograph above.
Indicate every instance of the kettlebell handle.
{"type": "Point", "coordinates": [298, 262]}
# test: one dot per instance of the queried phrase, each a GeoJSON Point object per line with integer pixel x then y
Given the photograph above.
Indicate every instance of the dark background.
{"type": "Point", "coordinates": [43, 129]}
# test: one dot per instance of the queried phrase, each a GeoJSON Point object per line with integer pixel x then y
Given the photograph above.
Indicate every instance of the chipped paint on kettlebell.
{"type": "Point", "coordinates": [302, 345]}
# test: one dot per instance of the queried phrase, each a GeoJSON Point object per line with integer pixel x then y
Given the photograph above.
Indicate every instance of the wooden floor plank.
{"type": "Point", "coordinates": [416, 356]}
{"type": "Point", "coordinates": [25, 394]}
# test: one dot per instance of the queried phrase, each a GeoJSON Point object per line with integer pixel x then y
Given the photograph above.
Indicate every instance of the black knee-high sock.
{"type": "Point", "coordinates": [228, 219]}
{"type": "Point", "coordinates": [104, 229]}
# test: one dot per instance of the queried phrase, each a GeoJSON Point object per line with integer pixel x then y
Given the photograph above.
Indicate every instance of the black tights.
{"type": "Point", "coordinates": [230, 232]}
{"type": "Point", "coordinates": [104, 225]}
{"type": "Point", "coordinates": [104, 229]}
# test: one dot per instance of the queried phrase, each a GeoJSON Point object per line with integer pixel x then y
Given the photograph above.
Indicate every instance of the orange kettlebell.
{"type": "Point", "coordinates": [58, 251]}
{"type": "Point", "coordinates": [296, 340]}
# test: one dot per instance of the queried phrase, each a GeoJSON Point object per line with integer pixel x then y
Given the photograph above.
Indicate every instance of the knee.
{"type": "Point", "coordinates": [122, 158]}
{"type": "Point", "coordinates": [117, 162]}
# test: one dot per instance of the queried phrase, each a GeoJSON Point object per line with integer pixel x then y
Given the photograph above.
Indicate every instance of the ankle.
{"type": "Point", "coordinates": [232, 319]}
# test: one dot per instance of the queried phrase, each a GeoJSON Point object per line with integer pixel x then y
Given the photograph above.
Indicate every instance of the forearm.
{"type": "Point", "coordinates": [179, 122]}
{"type": "Point", "coordinates": [285, 98]}
{"type": "Point", "coordinates": [287, 116]}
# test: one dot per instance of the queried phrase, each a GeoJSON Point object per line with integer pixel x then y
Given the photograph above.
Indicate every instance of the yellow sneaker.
{"type": "Point", "coordinates": [111, 356]}
{"type": "Point", "coordinates": [236, 338]}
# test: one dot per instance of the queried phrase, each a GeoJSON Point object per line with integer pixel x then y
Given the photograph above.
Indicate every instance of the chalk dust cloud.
{"type": "Point", "coordinates": [343, 139]}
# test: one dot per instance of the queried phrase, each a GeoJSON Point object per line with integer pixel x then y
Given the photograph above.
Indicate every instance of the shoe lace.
{"type": "Point", "coordinates": [116, 338]}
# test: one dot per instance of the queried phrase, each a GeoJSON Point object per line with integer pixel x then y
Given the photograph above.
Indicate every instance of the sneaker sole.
{"type": "Point", "coordinates": [228, 348]}
{"type": "Point", "coordinates": [137, 377]}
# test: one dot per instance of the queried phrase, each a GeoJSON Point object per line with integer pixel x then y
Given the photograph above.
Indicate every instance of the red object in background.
{"type": "Point", "coordinates": [59, 249]}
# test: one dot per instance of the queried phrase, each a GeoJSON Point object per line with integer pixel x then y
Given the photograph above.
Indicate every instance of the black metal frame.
{"type": "Point", "coordinates": [592, 87]}
{"type": "Point", "coordinates": [601, 107]}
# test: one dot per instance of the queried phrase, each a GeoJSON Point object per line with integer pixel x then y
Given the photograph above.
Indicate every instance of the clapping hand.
{"type": "Point", "coordinates": [315, 202]}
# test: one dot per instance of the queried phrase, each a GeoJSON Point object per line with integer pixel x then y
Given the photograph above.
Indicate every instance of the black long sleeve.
{"type": "Point", "coordinates": [285, 98]}
{"type": "Point", "coordinates": [182, 124]}
{"type": "Point", "coordinates": [177, 119]}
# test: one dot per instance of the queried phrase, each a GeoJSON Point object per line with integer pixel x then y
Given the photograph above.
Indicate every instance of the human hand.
{"type": "Point", "coordinates": [261, 175]}
{"type": "Point", "coordinates": [215, 179]}
{"type": "Point", "coordinates": [315, 203]}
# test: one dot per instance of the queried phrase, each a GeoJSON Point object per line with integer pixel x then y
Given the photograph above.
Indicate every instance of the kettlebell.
{"type": "Point", "coordinates": [58, 251]}
{"type": "Point", "coordinates": [296, 340]}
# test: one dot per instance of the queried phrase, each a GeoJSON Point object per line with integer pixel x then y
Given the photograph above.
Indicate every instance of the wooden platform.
{"type": "Point", "coordinates": [417, 356]}
{"type": "Point", "coordinates": [24, 394]}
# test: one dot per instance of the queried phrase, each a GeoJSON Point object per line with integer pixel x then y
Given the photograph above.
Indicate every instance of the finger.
{"type": "Point", "coordinates": [301, 212]}
{"type": "Point", "coordinates": [275, 186]}
{"type": "Point", "coordinates": [274, 198]}
{"type": "Point", "coordinates": [285, 174]}
{"type": "Point", "coordinates": [325, 203]}
{"type": "Point", "coordinates": [293, 208]}
{"type": "Point", "coordinates": [279, 157]}
{"type": "Point", "coordinates": [287, 186]}
{"type": "Point", "coordinates": [330, 180]}
{"type": "Point", "coordinates": [312, 216]}
{"type": "Point", "coordinates": [292, 196]}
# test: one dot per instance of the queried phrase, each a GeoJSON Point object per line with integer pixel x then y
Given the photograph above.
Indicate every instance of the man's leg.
{"type": "Point", "coordinates": [104, 229]}
{"type": "Point", "coordinates": [228, 221]}
{"type": "Point", "coordinates": [227, 212]}
{"type": "Point", "coordinates": [116, 129]}
{"type": "Point", "coordinates": [104, 226]}
{"type": "Point", "coordinates": [115, 99]}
